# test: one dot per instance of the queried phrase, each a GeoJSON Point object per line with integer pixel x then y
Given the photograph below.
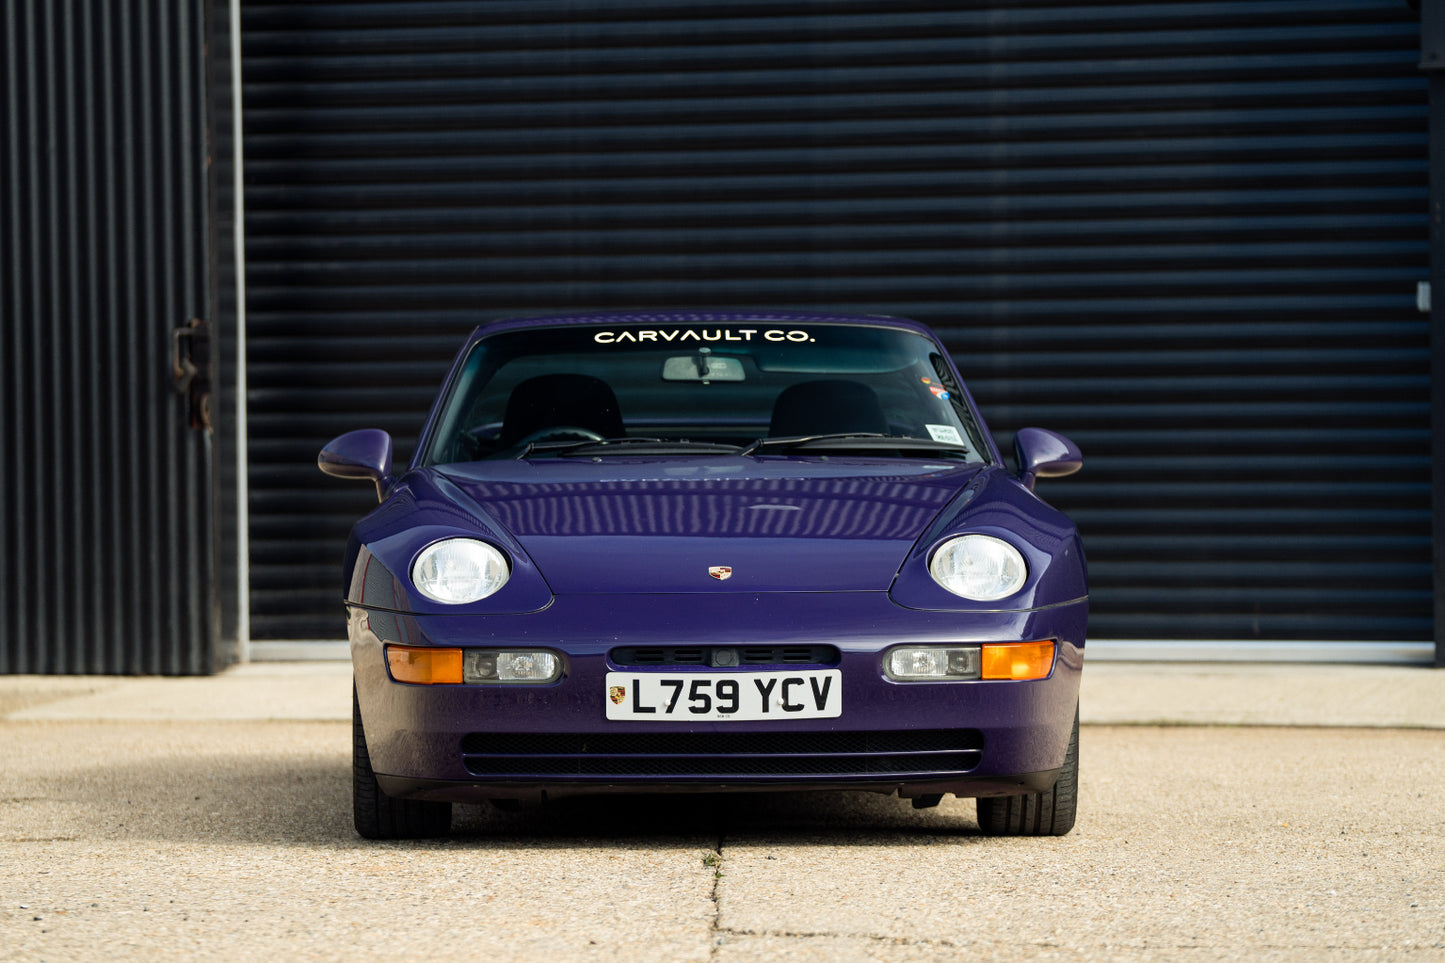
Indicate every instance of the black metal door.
{"type": "Point", "coordinates": [106, 523]}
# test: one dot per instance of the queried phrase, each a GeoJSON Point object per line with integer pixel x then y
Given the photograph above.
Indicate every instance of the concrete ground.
{"type": "Point", "coordinates": [1227, 813]}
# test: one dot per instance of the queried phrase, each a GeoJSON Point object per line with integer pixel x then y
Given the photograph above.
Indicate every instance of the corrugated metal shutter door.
{"type": "Point", "coordinates": [1187, 234]}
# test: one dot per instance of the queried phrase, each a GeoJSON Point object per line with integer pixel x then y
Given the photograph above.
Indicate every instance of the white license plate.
{"type": "Point", "coordinates": [724, 696]}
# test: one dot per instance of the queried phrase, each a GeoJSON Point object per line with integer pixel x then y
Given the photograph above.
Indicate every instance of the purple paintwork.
{"type": "Point", "coordinates": [608, 552]}
{"type": "Point", "coordinates": [1045, 454]}
{"type": "Point", "coordinates": [363, 454]}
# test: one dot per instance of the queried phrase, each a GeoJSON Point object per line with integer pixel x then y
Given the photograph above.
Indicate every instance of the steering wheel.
{"type": "Point", "coordinates": [561, 433]}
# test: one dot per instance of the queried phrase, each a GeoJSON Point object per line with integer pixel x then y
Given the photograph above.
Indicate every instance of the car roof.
{"type": "Point", "coordinates": [695, 317]}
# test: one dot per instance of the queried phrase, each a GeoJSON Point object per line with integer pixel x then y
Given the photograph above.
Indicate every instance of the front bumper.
{"type": "Point", "coordinates": [475, 742]}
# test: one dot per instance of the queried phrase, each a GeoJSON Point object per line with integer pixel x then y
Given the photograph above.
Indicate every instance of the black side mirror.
{"type": "Point", "coordinates": [1045, 454]}
{"type": "Point", "coordinates": [359, 454]}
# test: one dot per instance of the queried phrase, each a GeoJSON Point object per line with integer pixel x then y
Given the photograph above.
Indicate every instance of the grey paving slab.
{"type": "Point", "coordinates": [232, 841]}
{"type": "Point", "coordinates": [1123, 693]}
{"type": "Point", "coordinates": [1231, 812]}
{"type": "Point", "coordinates": [1192, 844]}
{"type": "Point", "coordinates": [259, 691]}
{"type": "Point", "coordinates": [139, 840]}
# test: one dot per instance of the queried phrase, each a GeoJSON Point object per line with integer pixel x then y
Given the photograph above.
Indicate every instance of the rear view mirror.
{"type": "Point", "coordinates": [359, 454]}
{"type": "Point", "coordinates": [702, 367]}
{"type": "Point", "coordinates": [1045, 454]}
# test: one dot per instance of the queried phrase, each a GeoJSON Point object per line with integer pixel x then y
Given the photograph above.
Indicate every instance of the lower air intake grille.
{"type": "Point", "coordinates": [724, 755]}
{"type": "Point", "coordinates": [725, 655]}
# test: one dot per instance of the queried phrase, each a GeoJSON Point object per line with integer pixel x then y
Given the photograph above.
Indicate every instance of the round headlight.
{"type": "Point", "coordinates": [459, 570]}
{"type": "Point", "coordinates": [979, 567]}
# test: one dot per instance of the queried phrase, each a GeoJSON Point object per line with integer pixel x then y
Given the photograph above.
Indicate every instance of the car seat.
{"type": "Point", "coordinates": [827, 407]}
{"type": "Point", "coordinates": [561, 400]}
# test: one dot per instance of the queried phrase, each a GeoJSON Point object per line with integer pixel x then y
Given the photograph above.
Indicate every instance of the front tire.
{"type": "Point", "coordinates": [1048, 813]}
{"type": "Point", "coordinates": [377, 815]}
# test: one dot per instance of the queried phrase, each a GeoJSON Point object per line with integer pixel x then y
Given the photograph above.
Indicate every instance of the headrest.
{"type": "Point", "coordinates": [553, 400]}
{"type": "Point", "coordinates": [827, 407]}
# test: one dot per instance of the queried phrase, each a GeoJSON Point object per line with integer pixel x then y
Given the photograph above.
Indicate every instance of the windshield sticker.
{"type": "Point", "coordinates": [681, 335]}
{"type": "Point", "coordinates": [945, 433]}
{"type": "Point", "coordinates": [938, 392]}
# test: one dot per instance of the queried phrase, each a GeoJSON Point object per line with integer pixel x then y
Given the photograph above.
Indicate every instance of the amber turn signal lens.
{"type": "Point", "coordinates": [424, 666]}
{"type": "Point", "coordinates": [1018, 660]}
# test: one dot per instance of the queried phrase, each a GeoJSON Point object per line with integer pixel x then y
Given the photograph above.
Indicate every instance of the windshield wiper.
{"type": "Point", "coordinates": [627, 446]}
{"type": "Point", "coordinates": [849, 441]}
{"type": "Point", "coordinates": [855, 441]}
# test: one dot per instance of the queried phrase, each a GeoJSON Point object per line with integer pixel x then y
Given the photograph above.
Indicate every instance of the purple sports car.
{"type": "Point", "coordinates": [710, 552]}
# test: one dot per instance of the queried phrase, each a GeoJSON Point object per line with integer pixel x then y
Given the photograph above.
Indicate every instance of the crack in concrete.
{"type": "Point", "coordinates": [716, 931]}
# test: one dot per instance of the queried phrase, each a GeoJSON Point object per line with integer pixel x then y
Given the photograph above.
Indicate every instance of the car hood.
{"type": "Point", "coordinates": [711, 525]}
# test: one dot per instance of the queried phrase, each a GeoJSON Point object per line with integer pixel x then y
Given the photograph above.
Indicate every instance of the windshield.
{"type": "Point", "coordinates": [804, 389]}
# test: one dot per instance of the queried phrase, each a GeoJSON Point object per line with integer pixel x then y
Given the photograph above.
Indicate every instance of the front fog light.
{"type": "Point", "coordinates": [931, 662]}
{"type": "Point", "coordinates": [530, 665]}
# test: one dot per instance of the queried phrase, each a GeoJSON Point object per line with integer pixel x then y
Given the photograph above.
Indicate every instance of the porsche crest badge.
{"type": "Point", "coordinates": [720, 572]}
{"type": "Point", "coordinates": [617, 693]}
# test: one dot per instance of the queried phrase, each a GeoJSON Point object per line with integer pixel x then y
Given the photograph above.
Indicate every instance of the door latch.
{"type": "Point", "coordinates": [191, 370]}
